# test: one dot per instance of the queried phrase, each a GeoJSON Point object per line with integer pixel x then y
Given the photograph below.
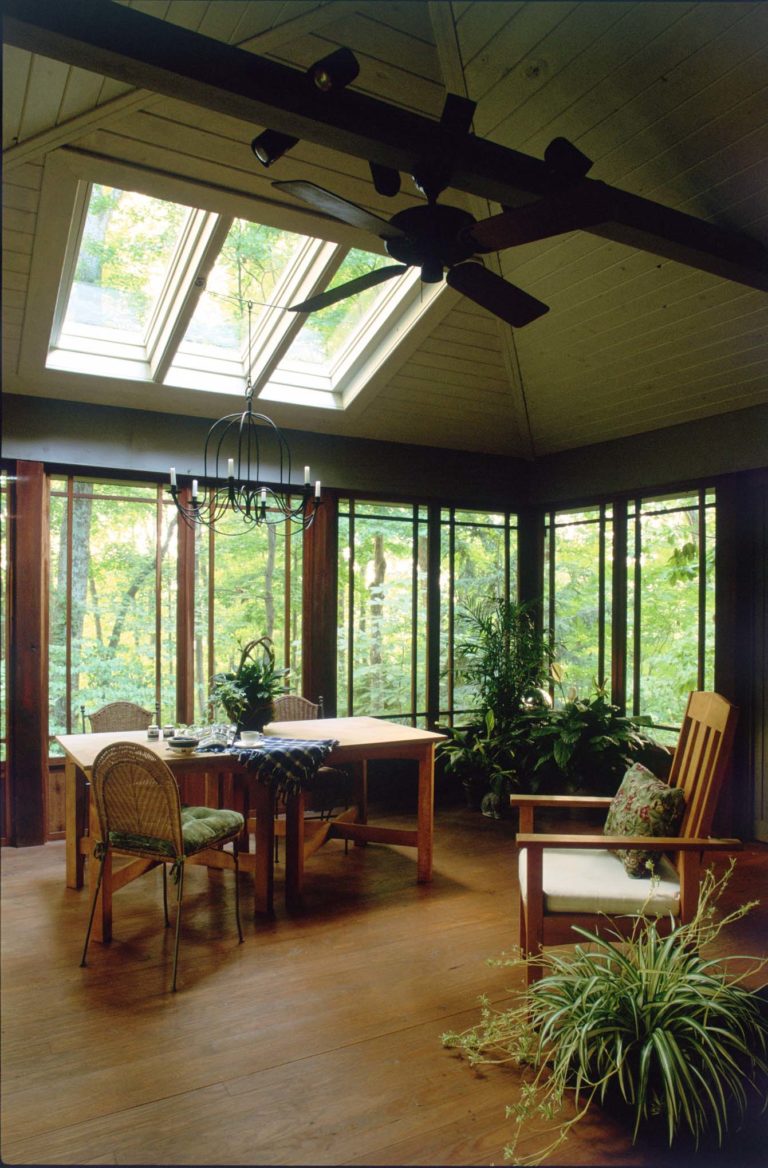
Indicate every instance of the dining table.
{"type": "Point", "coordinates": [355, 742]}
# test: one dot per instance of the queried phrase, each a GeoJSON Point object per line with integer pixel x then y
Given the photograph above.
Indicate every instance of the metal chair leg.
{"type": "Point", "coordinates": [237, 890]}
{"type": "Point", "coordinates": [93, 909]}
{"type": "Point", "coordinates": [165, 895]}
{"type": "Point", "coordinates": [178, 925]}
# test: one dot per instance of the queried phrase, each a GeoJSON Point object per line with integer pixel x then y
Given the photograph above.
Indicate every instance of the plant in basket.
{"type": "Point", "coordinates": [246, 694]}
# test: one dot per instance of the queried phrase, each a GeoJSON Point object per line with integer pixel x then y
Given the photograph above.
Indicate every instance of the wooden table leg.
{"type": "Point", "coordinates": [74, 822]}
{"type": "Point", "coordinates": [262, 800]}
{"type": "Point", "coordinates": [360, 783]}
{"type": "Point", "coordinates": [426, 813]}
{"type": "Point", "coordinates": [294, 850]}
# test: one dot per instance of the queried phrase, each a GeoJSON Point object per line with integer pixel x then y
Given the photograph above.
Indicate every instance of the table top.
{"type": "Point", "coordinates": [353, 733]}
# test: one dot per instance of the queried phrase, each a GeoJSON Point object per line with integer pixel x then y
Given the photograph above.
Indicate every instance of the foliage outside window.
{"type": "Point", "coordinates": [671, 613]}
{"type": "Point", "coordinates": [382, 649]}
{"type": "Point", "coordinates": [478, 559]}
{"type": "Point", "coordinates": [112, 599]}
{"type": "Point", "coordinates": [666, 581]}
{"type": "Point", "coordinates": [577, 596]}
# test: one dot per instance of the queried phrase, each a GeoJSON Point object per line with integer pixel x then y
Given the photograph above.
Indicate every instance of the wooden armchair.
{"type": "Point", "coordinates": [568, 880]}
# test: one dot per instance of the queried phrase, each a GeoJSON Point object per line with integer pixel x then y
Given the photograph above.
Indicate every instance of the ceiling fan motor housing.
{"type": "Point", "coordinates": [435, 238]}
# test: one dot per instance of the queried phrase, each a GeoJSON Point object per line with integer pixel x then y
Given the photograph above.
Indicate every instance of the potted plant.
{"type": "Point", "coordinates": [585, 744]}
{"type": "Point", "coordinates": [647, 1025]}
{"type": "Point", "coordinates": [246, 694]}
{"type": "Point", "coordinates": [507, 659]}
{"type": "Point", "coordinates": [481, 757]}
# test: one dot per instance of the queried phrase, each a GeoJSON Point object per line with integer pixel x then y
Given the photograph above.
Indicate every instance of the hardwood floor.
{"type": "Point", "coordinates": [316, 1042]}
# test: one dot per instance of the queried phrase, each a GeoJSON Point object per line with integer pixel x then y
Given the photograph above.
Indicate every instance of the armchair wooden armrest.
{"type": "Point", "coordinates": [647, 843]}
{"type": "Point", "coordinates": [528, 804]}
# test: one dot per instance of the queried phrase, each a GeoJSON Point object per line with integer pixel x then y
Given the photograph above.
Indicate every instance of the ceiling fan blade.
{"type": "Point", "coordinates": [339, 208]}
{"type": "Point", "coordinates": [351, 288]}
{"type": "Point", "coordinates": [574, 207]}
{"type": "Point", "coordinates": [496, 294]}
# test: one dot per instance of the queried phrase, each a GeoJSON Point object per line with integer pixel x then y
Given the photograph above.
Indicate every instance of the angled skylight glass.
{"type": "Point", "coordinates": [127, 244]}
{"type": "Point", "coordinates": [163, 292]}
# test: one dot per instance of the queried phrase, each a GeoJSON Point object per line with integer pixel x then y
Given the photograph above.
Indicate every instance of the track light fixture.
{"type": "Point", "coordinates": [331, 72]}
{"type": "Point", "coordinates": [334, 71]}
{"type": "Point", "coordinates": [271, 145]}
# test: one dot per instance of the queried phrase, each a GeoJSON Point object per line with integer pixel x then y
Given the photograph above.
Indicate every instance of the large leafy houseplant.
{"type": "Point", "coordinates": [587, 744]}
{"type": "Point", "coordinates": [648, 1023]}
{"type": "Point", "coordinates": [506, 658]}
{"type": "Point", "coordinates": [247, 693]}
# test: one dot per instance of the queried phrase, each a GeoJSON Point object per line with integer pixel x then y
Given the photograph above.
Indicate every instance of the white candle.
{"type": "Point", "coordinates": [263, 494]}
{"type": "Point", "coordinates": [230, 468]}
{"type": "Point", "coordinates": [173, 476]}
{"type": "Point", "coordinates": [194, 488]}
{"type": "Point", "coordinates": [317, 489]}
{"type": "Point", "coordinates": [306, 476]}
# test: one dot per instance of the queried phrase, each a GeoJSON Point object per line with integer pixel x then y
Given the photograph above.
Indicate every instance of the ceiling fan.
{"type": "Point", "coordinates": [447, 241]}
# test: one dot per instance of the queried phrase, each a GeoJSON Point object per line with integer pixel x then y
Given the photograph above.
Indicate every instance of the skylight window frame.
{"type": "Point", "coordinates": [67, 179]}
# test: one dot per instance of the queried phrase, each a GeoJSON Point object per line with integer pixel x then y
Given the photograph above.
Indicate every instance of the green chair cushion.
{"type": "Point", "coordinates": [202, 827]}
{"type": "Point", "coordinates": [131, 842]}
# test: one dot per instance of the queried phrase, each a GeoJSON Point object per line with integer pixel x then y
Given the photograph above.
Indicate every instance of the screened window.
{"type": "Point", "coordinates": [244, 591]}
{"type": "Point", "coordinates": [112, 601]}
{"type": "Point", "coordinates": [382, 649]}
{"type": "Point", "coordinates": [577, 596]}
{"type": "Point", "coordinates": [478, 559]}
{"type": "Point", "coordinates": [671, 609]}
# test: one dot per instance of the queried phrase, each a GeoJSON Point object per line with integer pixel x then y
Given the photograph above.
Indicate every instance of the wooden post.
{"type": "Point", "coordinates": [28, 531]}
{"type": "Point", "coordinates": [185, 620]}
{"type": "Point", "coordinates": [319, 605]}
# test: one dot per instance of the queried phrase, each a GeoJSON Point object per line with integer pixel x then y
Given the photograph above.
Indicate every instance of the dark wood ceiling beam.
{"type": "Point", "coordinates": [152, 54]}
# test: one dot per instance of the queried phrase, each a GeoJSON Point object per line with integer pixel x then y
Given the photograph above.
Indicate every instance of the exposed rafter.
{"type": "Point", "coordinates": [155, 55]}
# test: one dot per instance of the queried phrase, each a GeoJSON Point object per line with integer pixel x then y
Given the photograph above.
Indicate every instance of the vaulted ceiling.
{"type": "Point", "coordinates": [668, 100]}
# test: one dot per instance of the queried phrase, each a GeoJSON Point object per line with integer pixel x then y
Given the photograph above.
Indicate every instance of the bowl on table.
{"type": "Point", "coordinates": [182, 744]}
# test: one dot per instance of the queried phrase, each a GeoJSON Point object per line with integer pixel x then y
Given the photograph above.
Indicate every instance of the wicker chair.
{"type": "Point", "coordinates": [140, 815]}
{"type": "Point", "coordinates": [117, 716]}
{"type": "Point", "coordinates": [292, 708]}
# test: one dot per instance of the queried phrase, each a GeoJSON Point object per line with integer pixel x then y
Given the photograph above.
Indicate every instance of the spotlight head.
{"type": "Point", "coordinates": [565, 161]}
{"type": "Point", "coordinates": [334, 71]}
{"type": "Point", "coordinates": [271, 145]}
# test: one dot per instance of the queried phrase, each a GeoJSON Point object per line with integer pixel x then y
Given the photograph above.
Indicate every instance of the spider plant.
{"type": "Point", "coordinates": [648, 1021]}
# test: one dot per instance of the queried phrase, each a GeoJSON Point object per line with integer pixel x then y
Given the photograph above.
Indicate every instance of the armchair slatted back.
{"type": "Point", "coordinates": [701, 759]}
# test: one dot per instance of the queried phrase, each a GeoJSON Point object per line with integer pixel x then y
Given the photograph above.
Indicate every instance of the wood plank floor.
{"type": "Point", "coordinates": [316, 1042]}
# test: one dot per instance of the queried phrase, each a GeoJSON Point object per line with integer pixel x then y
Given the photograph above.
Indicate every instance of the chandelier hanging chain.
{"type": "Point", "coordinates": [240, 442]}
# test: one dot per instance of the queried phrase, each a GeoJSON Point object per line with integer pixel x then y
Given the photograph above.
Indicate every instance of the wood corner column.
{"type": "Point", "coordinates": [319, 605]}
{"type": "Point", "coordinates": [28, 577]}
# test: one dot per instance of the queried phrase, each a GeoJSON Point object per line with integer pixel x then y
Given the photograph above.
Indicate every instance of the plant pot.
{"type": "Point", "coordinates": [474, 788]}
{"type": "Point", "coordinates": [256, 718]}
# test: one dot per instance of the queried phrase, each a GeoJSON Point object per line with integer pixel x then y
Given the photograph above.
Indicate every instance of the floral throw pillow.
{"type": "Point", "coordinates": [643, 805]}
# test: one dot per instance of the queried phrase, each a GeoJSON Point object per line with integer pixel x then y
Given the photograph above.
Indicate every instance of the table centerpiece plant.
{"type": "Point", "coordinates": [246, 694]}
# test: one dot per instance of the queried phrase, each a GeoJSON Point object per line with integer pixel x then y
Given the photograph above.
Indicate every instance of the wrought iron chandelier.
{"type": "Point", "coordinates": [237, 446]}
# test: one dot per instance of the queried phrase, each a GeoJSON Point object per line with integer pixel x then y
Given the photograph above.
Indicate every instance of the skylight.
{"type": "Point", "coordinates": [163, 292]}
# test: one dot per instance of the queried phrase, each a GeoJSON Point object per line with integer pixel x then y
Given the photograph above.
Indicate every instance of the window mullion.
{"type": "Point", "coordinates": [198, 249]}
{"type": "Point", "coordinates": [311, 270]}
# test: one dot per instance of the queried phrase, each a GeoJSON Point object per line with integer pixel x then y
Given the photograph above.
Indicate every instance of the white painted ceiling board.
{"type": "Point", "coordinates": [668, 99]}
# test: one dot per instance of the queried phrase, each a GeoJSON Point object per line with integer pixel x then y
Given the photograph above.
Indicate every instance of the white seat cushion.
{"type": "Point", "coordinates": [583, 880]}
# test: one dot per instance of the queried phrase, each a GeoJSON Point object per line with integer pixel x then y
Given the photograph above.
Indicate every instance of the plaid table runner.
{"type": "Point", "coordinates": [289, 764]}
